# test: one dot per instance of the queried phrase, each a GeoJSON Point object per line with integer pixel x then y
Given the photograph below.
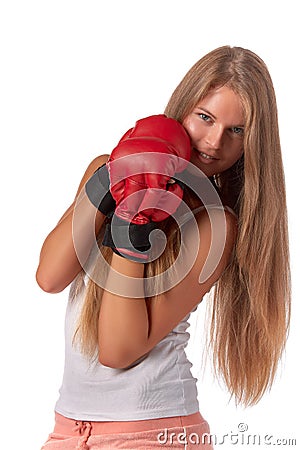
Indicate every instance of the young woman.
{"type": "Point", "coordinates": [208, 175]}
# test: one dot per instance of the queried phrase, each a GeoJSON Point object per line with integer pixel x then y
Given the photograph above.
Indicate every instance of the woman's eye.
{"type": "Point", "coordinates": [238, 130]}
{"type": "Point", "coordinates": [204, 117]}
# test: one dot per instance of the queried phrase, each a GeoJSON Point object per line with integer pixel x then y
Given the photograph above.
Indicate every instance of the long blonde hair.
{"type": "Point", "coordinates": [250, 309]}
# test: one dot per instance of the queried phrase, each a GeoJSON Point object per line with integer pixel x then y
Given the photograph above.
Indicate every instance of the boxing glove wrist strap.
{"type": "Point", "coordinates": [97, 191]}
{"type": "Point", "coordinates": [120, 234]}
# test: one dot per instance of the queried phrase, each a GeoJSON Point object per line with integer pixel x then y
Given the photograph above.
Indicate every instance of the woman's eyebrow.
{"type": "Point", "coordinates": [206, 111]}
{"type": "Point", "coordinates": [214, 117]}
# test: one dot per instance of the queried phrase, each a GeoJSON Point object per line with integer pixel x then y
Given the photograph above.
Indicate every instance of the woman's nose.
{"type": "Point", "coordinates": [214, 137]}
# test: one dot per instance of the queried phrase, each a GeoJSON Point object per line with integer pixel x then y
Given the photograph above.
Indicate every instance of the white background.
{"type": "Point", "coordinates": [74, 76]}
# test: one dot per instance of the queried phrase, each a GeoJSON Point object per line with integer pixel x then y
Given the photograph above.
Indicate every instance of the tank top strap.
{"type": "Point", "coordinates": [215, 206]}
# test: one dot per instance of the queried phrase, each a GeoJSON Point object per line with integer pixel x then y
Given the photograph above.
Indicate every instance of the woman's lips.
{"type": "Point", "coordinates": [204, 157]}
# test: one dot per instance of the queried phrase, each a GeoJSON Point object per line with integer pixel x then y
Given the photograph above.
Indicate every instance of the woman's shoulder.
{"type": "Point", "coordinates": [97, 162]}
{"type": "Point", "coordinates": [219, 225]}
{"type": "Point", "coordinates": [215, 212]}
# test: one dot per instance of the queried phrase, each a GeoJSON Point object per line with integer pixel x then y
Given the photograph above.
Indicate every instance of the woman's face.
{"type": "Point", "coordinates": [216, 129]}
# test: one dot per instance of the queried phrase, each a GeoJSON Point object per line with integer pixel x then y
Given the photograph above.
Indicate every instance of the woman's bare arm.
{"type": "Point", "coordinates": [129, 328]}
{"type": "Point", "coordinates": [59, 264]}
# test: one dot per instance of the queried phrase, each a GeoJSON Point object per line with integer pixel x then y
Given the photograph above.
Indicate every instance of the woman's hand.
{"type": "Point", "coordinates": [141, 168]}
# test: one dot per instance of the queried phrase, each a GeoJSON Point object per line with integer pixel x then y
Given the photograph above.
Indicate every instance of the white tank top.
{"type": "Point", "coordinates": [160, 385]}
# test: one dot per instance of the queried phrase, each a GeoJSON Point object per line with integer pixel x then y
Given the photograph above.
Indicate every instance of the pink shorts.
{"type": "Point", "coordinates": [180, 432]}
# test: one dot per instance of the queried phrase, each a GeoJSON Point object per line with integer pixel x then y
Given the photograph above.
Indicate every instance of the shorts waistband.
{"type": "Point", "coordinates": [72, 427]}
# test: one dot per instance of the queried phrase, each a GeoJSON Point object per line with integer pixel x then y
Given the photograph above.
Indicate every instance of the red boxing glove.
{"type": "Point", "coordinates": [141, 168]}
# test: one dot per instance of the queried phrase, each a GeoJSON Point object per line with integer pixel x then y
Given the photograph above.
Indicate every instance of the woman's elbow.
{"type": "Point", "coordinates": [47, 283]}
{"type": "Point", "coordinates": [113, 361]}
{"type": "Point", "coordinates": [121, 360]}
{"type": "Point", "coordinates": [116, 360]}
